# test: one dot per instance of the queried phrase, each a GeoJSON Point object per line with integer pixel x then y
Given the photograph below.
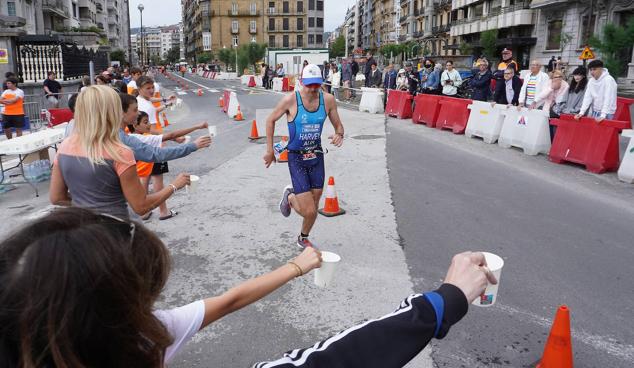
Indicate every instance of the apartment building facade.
{"type": "Point", "coordinates": [213, 25]}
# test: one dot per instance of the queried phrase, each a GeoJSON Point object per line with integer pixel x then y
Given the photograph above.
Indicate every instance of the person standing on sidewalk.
{"type": "Point", "coordinates": [450, 80]}
{"type": "Point", "coordinates": [12, 99]}
{"type": "Point", "coordinates": [534, 84]}
{"type": "Point", "coordinates": [368, 68]}
{"type": "Point", "coordinates": [600, 93]}
{"type": "Point", "coordinates": [306, 111]}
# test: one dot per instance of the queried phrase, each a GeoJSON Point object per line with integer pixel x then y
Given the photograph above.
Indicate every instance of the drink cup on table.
{"type": "Point", "coordinates": [325, 274]}
{"type": "Point", "coordinates": [490, 295]}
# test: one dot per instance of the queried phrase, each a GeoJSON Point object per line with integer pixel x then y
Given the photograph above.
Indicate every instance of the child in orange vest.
{"type": "Point", "coordinates": [142, 130]}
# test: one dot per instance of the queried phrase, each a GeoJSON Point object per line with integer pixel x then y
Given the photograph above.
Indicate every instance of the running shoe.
{"type": "Point", "coordinates": [285, 205]}
{"type": "Point", "coordinates": [304, 242]}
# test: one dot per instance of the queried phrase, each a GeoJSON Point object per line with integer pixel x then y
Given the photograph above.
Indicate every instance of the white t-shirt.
{"type": "Point", "coordinates": [149, 139]}
{"type": "Point", "coordinates": [182, 323]}
{"type": "Point", "coordinates": [147, 107]}
{"type": "Point", "coordinates": [13, 93]}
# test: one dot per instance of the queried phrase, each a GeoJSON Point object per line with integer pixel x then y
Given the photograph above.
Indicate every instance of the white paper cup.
{"type": "Point", "coordinates": [212, 131]}
{"type": "Point", "coordinates": [324, 274]}
{"type": "Point", "coordinates": [490, 295]}
{"type": "Point", "coordinates": [187, 139]}
{"type": "Point", "coordinates": [194, 179]}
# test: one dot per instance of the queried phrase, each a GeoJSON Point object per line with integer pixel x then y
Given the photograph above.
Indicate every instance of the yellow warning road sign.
{"type": "Point", "coordinates": [586, 54]}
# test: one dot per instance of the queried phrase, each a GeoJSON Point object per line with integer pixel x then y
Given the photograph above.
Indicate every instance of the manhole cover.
{"type": "Point", "coordinates": [367, 136]}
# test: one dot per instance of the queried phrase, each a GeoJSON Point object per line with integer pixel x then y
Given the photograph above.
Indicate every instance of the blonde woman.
{"type": "Point", "coordinates": [94, 170]}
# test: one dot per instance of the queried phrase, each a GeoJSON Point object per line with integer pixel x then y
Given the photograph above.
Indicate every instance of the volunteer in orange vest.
{"type": "Point", "coordinates": [13, 100]}
{"type": "Point", "coordinates": [506, 62]}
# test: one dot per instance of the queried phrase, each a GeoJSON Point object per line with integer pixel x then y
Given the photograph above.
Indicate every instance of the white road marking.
{"type": "Point", "coordinates": [212, 90]}
{"type": "Point", "coordinates": [181, 93]}
{"type": "Point", "coordinates": [607, 344]}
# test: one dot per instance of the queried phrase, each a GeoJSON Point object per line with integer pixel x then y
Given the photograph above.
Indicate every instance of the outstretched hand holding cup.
{"type": "Point", "coordinates": [308, 260]}
{"type": "Point", "coordinates": [469, 271]}
{"type": "Point", "coordinates": [181, 181]}
{"type": "Point", "coordinates": [203, 142]}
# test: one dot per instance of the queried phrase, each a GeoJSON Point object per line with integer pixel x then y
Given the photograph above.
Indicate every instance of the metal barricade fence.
{"type": "Point", "coordinates": [34, 104]}
{"type": "Point", "coordinates": [348, 95]}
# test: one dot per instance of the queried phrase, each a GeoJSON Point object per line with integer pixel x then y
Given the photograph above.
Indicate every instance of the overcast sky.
{"type": "Point", "coordinates": [169, 12]}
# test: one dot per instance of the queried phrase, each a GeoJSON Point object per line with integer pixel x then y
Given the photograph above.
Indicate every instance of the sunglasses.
{"type": "Point", "coordinates": [126, 228]}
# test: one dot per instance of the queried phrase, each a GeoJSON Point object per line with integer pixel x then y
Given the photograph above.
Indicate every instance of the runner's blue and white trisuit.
{"type": "Point", "coordinates": [305, 155]}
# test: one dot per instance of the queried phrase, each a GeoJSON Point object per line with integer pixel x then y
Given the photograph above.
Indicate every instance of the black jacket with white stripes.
{"type": "Point", "coordinates": [390, 341]}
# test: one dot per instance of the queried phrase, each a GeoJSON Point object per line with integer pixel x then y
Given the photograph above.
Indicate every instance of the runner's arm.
{"type": "Point", "coordinates": [333, 114]}
{"type": "Point", "coordinates": [276, 114]}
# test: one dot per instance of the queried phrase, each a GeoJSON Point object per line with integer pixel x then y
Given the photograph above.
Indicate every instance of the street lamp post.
{"type": "Point", "coordinates": [141, 7]}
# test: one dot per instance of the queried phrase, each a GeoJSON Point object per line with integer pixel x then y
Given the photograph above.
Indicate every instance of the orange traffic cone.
{"type": "Point", "coordinates": [200, 92]}
{"type": "Point", "coordinates": [239, 116]}
{"type": "Point", "coordinates": [165, 121]}
{"type": "Point", "coordinates": [558, 351]}
{"type": "Point", "coordinates": [221, 102]}
{"type": "Point", "coordinates": [284, 155]}
{"type": "Point", "coordinates": [331, 207]}
{"type": "Point", "coordinates": [254, 131]}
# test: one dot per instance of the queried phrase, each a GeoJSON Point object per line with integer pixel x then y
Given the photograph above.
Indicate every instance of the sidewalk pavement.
{"type": "Point", "coordinates": [230, 229]}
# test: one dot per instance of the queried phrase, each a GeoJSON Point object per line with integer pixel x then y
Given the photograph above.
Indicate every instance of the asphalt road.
{"type": "Point", "coordinates": [565, 234]}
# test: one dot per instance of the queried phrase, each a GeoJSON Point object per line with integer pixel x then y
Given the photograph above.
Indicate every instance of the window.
{"type": "Point", "coordinates": [320, 22]}
{"type": "Point", "coordinates": [311, 22]}
{"type": "Point", "coordinates": [478, 10]}
{"type": "Point", "coordinates": [285, 41]}
{"type": "Point", "coordinates": [553, 42]}
{"type": "Point", "coordinates": [271, 24]}
{"type": "Point", "coordinates": [235, 41]}
{"type": "Point", "coordinates": [311, 39]}
{"type": "Point", "coordinates": [234, 8]}
{"type": "Point", "coordinates": [285, 24]}
{"type": "Point", "coordinates": [285, 8]}
{"type": "Point", "coordinates": [311, 4]}
{"type": "Point", "coordinates": [271, 41]}
{"type": "Point", "coordinates": [300, 6]}
{"type": "Point", "coordinates": [253, 8]}
{"type": "Point", "coordinates": [319, 39]}
{"type": "Point", "coordinates": [11, 8]}
{"type": "Point", "coordinates": [234, 26]}
{"type": "Point", "coordinates": [206, 41]}
{"type": "Point", "coordinates": [586, 31]}
{"type": "Point", "coordinates": [271, 7]}
{"type": "Point", "coordinates": [252, 26]}
{"type": "Point", "coordinates": [300, 40]}
{"type": "Point", "coordinates": [320, 5]}
{"type": "Point", "coordinates": [300, 24]}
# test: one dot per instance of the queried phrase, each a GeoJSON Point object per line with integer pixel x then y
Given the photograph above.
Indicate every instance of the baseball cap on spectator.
{"type": "Point", "coordinates": [311, 75]}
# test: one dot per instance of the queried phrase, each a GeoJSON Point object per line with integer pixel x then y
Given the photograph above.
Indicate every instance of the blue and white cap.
{"type": "Point", "coordinates": [311, 75]}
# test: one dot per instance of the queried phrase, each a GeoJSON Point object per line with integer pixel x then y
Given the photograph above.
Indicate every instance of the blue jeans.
{"type": "Point", "coordinates": [596, 114]}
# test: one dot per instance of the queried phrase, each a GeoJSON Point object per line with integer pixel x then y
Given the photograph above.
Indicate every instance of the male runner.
{"type": "Point", "coordinates": [306, 111]}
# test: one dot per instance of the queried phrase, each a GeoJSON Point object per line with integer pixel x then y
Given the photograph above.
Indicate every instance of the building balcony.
{"type": "Point", "coordinates": [402, 38]}
{"type": "Point", "coordinates": [280, 30]}
{"type": "Point", "coordinates": [56, 7]}
{"type": "Point", "coordinates": [235, 30]}
{"type": "Point", "coordinates": [517, 15]}
{"type": "Point", "coordinates": [253, 30]}
{"type": "Point", "coordinates": [112, 19]}
{"type": "Point", "coordinates": [440, 4]}
{"type": "Point", "coordinates": [403, 19]}
{"type": "Point", "coordinates": [274, 12]}
{"type": "Point", "coordinates": [243, 13]}
{"type": "Point", "coordinates": [440, 29]}
{"type": "Point", "coordinates": [536, 4]}
{"type": "Point", "coordinates": [404, 2]}
{"type": "Point", "coordinates": [418, 34]}
{"type": "Point", "coordinates": [99, 7]}
{"type": "Point", "coordinates": [456, 4]}
{"type": "Point", "coordinates": [111, 5]}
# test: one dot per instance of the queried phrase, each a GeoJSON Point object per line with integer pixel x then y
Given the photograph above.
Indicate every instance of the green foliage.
{"type": "Point", "coordinates": [156, 60]}
{"type": "Point", "coordinates": [614, 41]}
{"type": "Point", "coordinates": [465, 49]}
{"type": "Point", "coordinates": [390, 50]}
{"type": "Point", "coordinates": [338, 48]}
{"type": "Point", "coordinates": [204, 58]}
{"type": "Point", "coordinates": [250, 54]}
{"type": "Point", "coordinates": [488, 41]}
{"type": "Point", "coordinates": [118, 55]}
{"type": "Point", "coordinates": [228, 57]}
{"type": "Point", "coordinates": [173, 55]}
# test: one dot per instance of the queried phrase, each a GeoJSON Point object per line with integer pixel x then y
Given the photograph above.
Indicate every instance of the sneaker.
{"type": "Point", "coordinates": [304, 242]}
{"type": "Point", "coordinates": [285, 205]}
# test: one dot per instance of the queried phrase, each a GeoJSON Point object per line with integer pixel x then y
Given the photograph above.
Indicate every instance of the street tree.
{"type": "Point", "coordinates": [250, 54]}
{"type": "Point", "coordinates": [173, 55]}
{"type": "Point", "coordinates": [337, 48]}
{"type": "Point", "coordinates": [615, 46]}
{"type": "Point", "coordinates": [228, 57]}
{"type": "Point", "coordinates": [118, 55]}
{"type": "Point", "coordinates": [488, 41]}
{"type": "Point", "coordinates": [205, 57]}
